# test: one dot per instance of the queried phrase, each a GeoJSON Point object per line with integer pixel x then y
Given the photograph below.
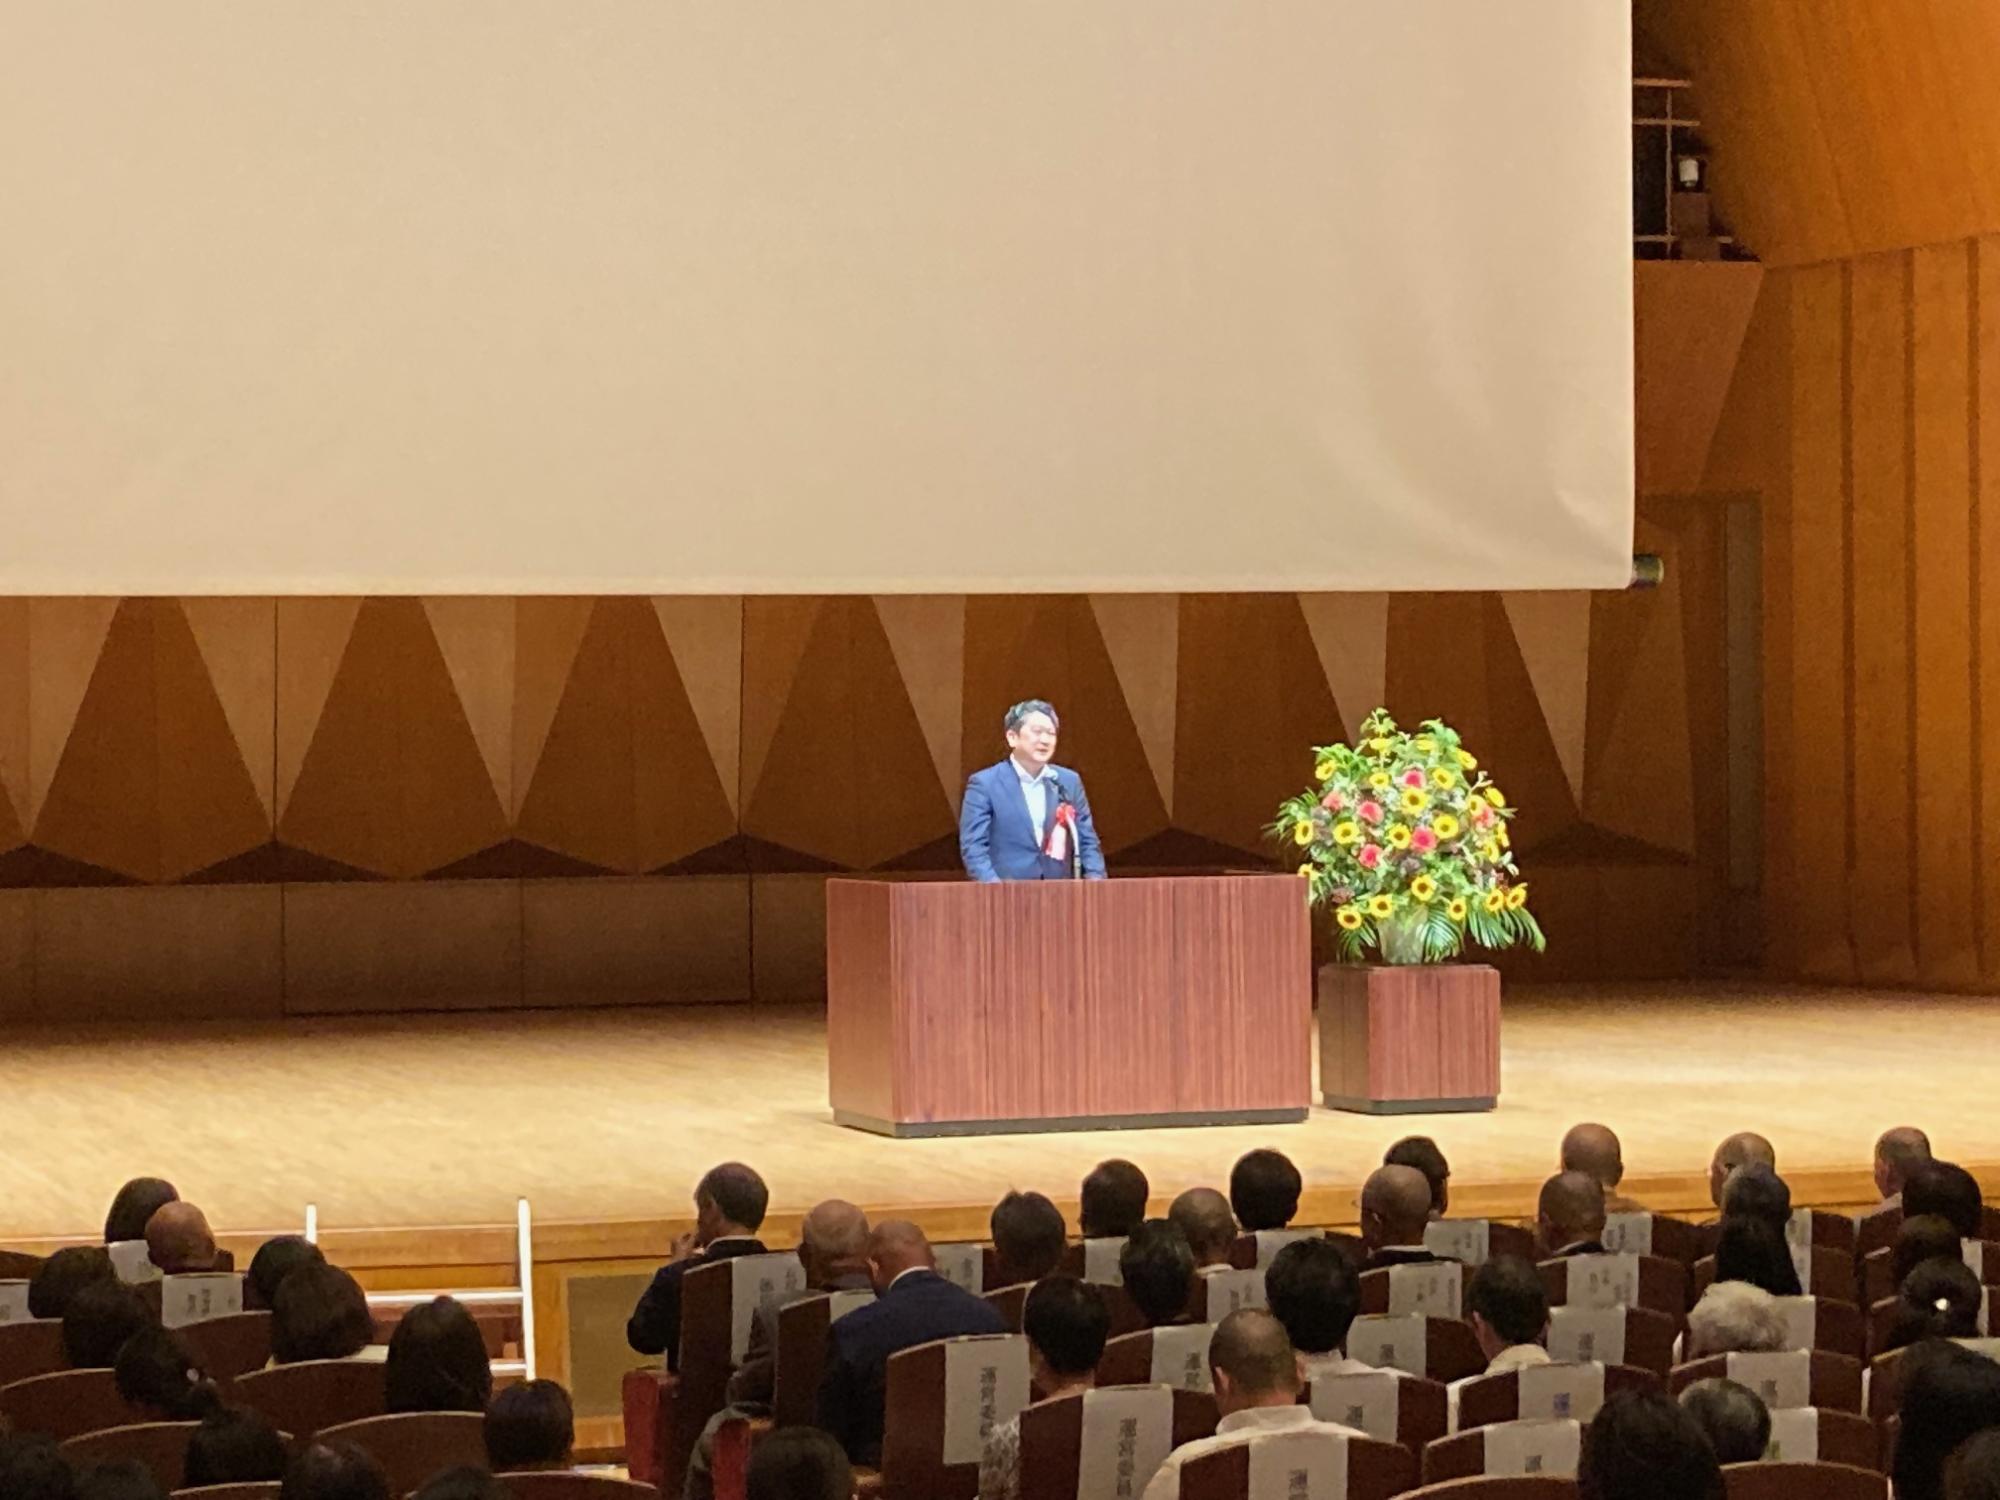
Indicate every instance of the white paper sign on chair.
{"type": "Point", "coordinates": [755, 1280]}
{"type": "Point", "coordinates": [1180, 1356]}
{"type": "Point", "coordinates": [1533, 1447]}
{"type": "Point", "coordinates": [1392, 1343]}
{"type": "Point", "coordinates": [1551, 1392]}
{"type": "Point", "coordinates": [1271, 1241]}
{"type": "Point", "coordinates": [1435, 1291]}
{"type": "Point", "coordinates": [1368, 1403]}
{"type": "Point", "coordinates": [1794, 1436]}
{"type": "Point", "coordinates": [1231, 1291]}
{"type": "Point", "coordinates": [197, 1298]}
{"type": "Point", "coordinates": [14, 1302]}
{"type": "Point", "coordinates": [985, 1385]}
{"type": "Point", "coordinates": [1467, 1240]}
{"type": "Point", "coordinates": [1127, 1433]}
{"type": "Point", "coordinates": [1801, 1315]}
{"type": "Point", "coordinates": [963, 1266]}
{"type": "Point", "coordinates": [1583, 1334]}
{"type": "Point", "coordinates": [1604, 1280]}
{"type": "Point", "coordinates": [1100, 1261]}
{"type": "Point", "coordinates": [1781, 1380]}
{"type": "Point", "coordinates": [840, 1304]}
{"type": "Point", "coordinates": [1298, 1466]}
{"type": "Point", "coordinates": [1630, 1234]}
{"type": "Point", "coordinates": [132, 1262]}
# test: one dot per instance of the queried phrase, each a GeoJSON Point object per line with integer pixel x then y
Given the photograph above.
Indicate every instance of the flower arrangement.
{"type": "Point", "coordinates": [1405, 841]}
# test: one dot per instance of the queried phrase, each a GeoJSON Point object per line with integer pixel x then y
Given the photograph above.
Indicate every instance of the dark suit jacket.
{"type": "Point", "coordinates": [655, 1324]}
{"type": "Point", "coordinates": [751, 1387]}
{"type": "Point", "coordinates": [1401, 1255]}
{"type": "Point", "coordinates": [921, 1306]}
{"type": "Point", "coordinates": [996, 836]}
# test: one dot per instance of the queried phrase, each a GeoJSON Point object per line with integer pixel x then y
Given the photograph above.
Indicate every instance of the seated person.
{"type": "Point", "coordinates": [1395, 1206]}
{"type": "Point", "coordinates": [1921, 1238]}
{"type": "Point", "coordinates": [1313, 1290]}
{"type": "Point", "coordinates": [1973, 1470]}
{"type": "Point", "coordinates": [1255, 1371]}
{"type": "Point", "coordinates": [1755, 1250]}
{"type": "Point", "coordinates": [234, 1445]}
{"type": "Point", "coordinates": [1735, 1317]}
{"type": "Point", "coordinates": [437, 1360]}
{"type": "Point", "coordinates": [1946, 1189]}
{"type": "Point", "coordinates": [157, 1375]}
{"type": "Point", "coordinates": [1264, 1190]}
{"type": "Point", "coordinates": [1897, 1153]}
{"type": "Point", "coordinates": [334, 1471]}
{"type": "Point", "coordinates": [117, 1479]}
{"type": "Point", "coordinates": [63, 1274]}
{"type": "Point", "coordinates": [1949, 1394]}
{"type": "Point", "coordinates": [275, 1259]}
{"type": "Point", "coordinates": [1738, 1150]}
{"type": "Point", "coordinates": [1203, 1216]}
{"type": "Point", "coordinates": [31, 1468]}
{"type": "Point", "coordinates": [179, 1241]}
{"type": "Point", "coordinates": [530, 1426]}
{"type": "Point", "coordinates": [1569, 1216]}
{"type": "Point", "coordinates": [1029, 1237]}
{"type": "Point", "coordinates": [99, 1319]}
{"type": "Point", "coordinates": [1594, 1150]}
{"type": "Point", "coordinates": [1939, 1299]}
{"type": "Point", "coordinates": [322, 1313]}
{"type": "Point", "coordinates": [1157, 1266]}
{"type": "Point", "coordinates": [134, 1206]}
{"type": "Point", "coordinates": [1114, 1200]}
{"type": "Point", "coordinates": [465, 1482]}
{"type": "Point", "coordinates": [1066, 1322]}
{"type": "Point", "coordinates": [729, 1204]}
{"type": "Point", "coordinates": [1509, 1310]}
{"type": "Point", "coordinates": [1732, 1417]}
{"type": "Point", "coordinates": [914, 1305]}
{"type": "Point", "coordinates": [798, 1463]}
{"type": "Point", "coordinates": [1756, 1191]}
{"type": "Point", "coordinates": [1422, 1153]}
{"type": "Point", "coordinates": [1641, 1446]}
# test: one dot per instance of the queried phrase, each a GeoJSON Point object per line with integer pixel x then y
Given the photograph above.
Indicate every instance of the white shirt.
{"type": "Point", "coordinates": [1333, 1362]}
{"type": "Point", "coordinates": [1236, 1428]}
{"type": "Point", "coordinates": [1515, 1356]}
{"type": "Point", "coordinates": [1036, 789]}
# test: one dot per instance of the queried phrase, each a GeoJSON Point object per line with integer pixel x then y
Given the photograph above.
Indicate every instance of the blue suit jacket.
{"type": "Point", "coordinates": [996, 837]}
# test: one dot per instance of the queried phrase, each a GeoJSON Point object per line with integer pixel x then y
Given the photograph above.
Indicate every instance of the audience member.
{"type": "Point", "coordinates": [99, 1319]}
{"type": "Point", "coordinates": [1313, 1290]}
{"type": "Point", "coordinates": [1735, 1317]}
{"type": "Point", "coordinates": [1732, 1417]}
{"type": "Point", "coordinates": [437, 1360]}
{"type": "Point", "coordinates": [465, 1482]}
{"type": "Point", "coordinates": [1754, 1250]}
{"type": "Point", "coordinates": [1949, 1394]}
{"type": "Point", "coordinates": [1264, 1190]}
{"type": "Point", "coordinates": [1395, 1207]}
{"type": "Point", "coordinates": [530, 1426]}
{"type": "Point", "coordinates": [1157, 1267]}
{"type": "Point", "coordinates": [320, 1312]}
{"type": "Point", "coordinates": [1255, 1372]}
{"type": "Point", "coordinates": [914, 1306]}
{"type": "Point", "coordinates": [1925, 1237]}
{"type": "Point", "coordinates": [334, 1471]}
{"type": "Point", "coordinates": [118, 1479]}
{"type": "Point", "coordinates": [1939, 1299]}
{"type": "Point", "coordinates": [1203, 1216]}
{"type": "Point", "coordinates": [1509, 1311]}
{"type": "Point", "coordinates": [1422, 1153]}
{"type": "Point", "coordinates": [1738, 1150]}
{"type": "Point", "coordinates": [31, 1468]}
{"type": "Point", "coordinates": [1973, 1470]}
{"type": "Point", "coordinates": [1641, 1446]}
{"type": "Point", "coordinates": [234, 1445]}
{"type": "Point", "coordinates": [1755, 1191]}
{"type": "Point", "coordinates": [729, 1204]}
{"type": "Point", "coordinates": [1066, 1322]}
{"type": "Point", "coordinates": [1897, 1151]}
{"type": "Point", "coordinates": [1114, 1200]}
{"type": "Point", "coordinates": [134, 1206]}
{"type": "Point", "coordinates": [179, 1241]}
{"type": "Point", "coordinates": [276, 1259]}
{"type": "Point", "coordinates": [1946, 1189]}
{"type": "Point", "coordinates": [1594, 1150]}
{"type": "Point", "coordinates": [63, 1274]}
{"type": "Point", "coordinates": [1569, 1216]}
{"type": "Point", "coordinates": [1029, 1237]}
{"type": "Point", "coordinates": [157, 1375]}
{"type": "Point", "coordinates": [798, 1463]}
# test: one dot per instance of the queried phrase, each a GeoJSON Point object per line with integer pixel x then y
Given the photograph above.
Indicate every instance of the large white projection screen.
{"type": "Point", "coordinates": [316, 296]}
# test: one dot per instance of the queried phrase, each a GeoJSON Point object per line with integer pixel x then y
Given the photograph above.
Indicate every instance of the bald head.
{"type": "Point", "coordinates": [1253, 1362]}
{"type": "Point", "coordinates": [1898, 1152]}
{"type": "Point", "coordinates": [1395, 1206]}
{"type": "Point", "coordinates": [1204, 1216]}
{"type": "Point", "coordinates": [896, 1246]}
{"type": "Point", "coordinates": [832, 1239]}
{"type": "Point", "coordinates": [178, 1239]}
{"type": "Point", "coordinates": [1740, 1150]}
{"type": "Point", "coordinates": [1570, 1211]}
{"type": "Point", "coordinates": [1594, 1151]}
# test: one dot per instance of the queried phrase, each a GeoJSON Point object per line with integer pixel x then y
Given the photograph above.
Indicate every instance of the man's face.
{"type": "Point", "coordinates": [1033, 740]}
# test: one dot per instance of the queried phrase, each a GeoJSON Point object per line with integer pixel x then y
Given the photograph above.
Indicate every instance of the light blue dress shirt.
{"type": "Point", "coordinates": [1036, 789]}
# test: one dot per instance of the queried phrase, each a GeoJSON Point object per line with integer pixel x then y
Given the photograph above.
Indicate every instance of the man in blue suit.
{"type": "Point", "coordinates": [1027, 818]}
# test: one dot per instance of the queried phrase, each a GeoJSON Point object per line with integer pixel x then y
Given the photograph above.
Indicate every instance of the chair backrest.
{"type": "Point", "coordinates": [160, 1446]}
{"type": "Point", "coordinates": [1796, 1377]}
{"type": "Point", "coordinates": [1790, 1481]}
{"type": "Point", "coordinates": [264, 1490]}
{"type": "Point", "coordinates": [718, 1303]}
{"type": "Point", "coordinates": [66, 1404]}
{"type": "Point", "coordinates": [303, 1398]}
{"type": "Point", "coordinates": [1385, 1404]}
{"type": "Point", "coordinates": [1176, 1355]}
{"type": "Point", "coordinates": [1817, 1227]}
{"type": "Point", "coordinates": [31, 1348]}
{"type": "Point", "coordinates": [230, 1346]}
{"type": "Point", "coordinates": [1505, 1448]}
{"type": "Point", "coordinates": [1300, 1465]}
{"type": "Point", "coordinates": [1010, 1302]}
{"type": "Point", "coordinates": [1805, 1434]}
{"type": "Point", "coordinates": [1435, 1289]}
{"type": "Point", "coordinates": [1824, 1323]}
{"type": "Point", "coordinates": [18, 1265]}
{"type": "Point", "coordinates": [800, 1356]}
{"type": "Point", "coordinates": [1822, 1272]}
{"type": "Point", "coordinates": [1256, 1250]}
{"type": "Point", "coordinates": [567, 1484]}
{"type": "Point", "coordinates": [963, 1265]}
{"type": "Point", "coordinates": [1220, 1293]}
{"type": "Point", "coordinates": [1499, 1487]}
{"type": "Point", "coordinates": [1436, 1348]}
{"type": "Point", "coordinates": [1614, 1336]}
{"type": "Point", "coordinates": [1654, 1234]}
{"type": "Point", "coordinates": [189, 1299]}
{"type": "Point", "coordinates": [943, 1399]}
{"type": "Point", "coordinates": [1621, 1280]}
{"type": "Point", "coordinates": [412, 1446]}
{"type": "Point", "coordinates": [1476, 1241]}
{"type": "Point", "coordinates": [1548, 1392]}
{"type": "Point", "coordinates": [1107, 1441]}
{"type": "Point", "coordinates": [1095, 1260]}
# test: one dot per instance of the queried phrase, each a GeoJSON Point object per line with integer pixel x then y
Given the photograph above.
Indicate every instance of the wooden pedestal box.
{"type": "Point", "coordinates": [1410, 1039]}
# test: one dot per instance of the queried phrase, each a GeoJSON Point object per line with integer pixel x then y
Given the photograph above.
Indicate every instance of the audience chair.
{"type": "Point", "coordinates": [1436, 1348]}
{"type": "Point", "coordinates": [412, 1446]}
{"type": "Point", "coordinates": [1255, 1251]}
{"type": "Point", "coordinates": [1176, 1355]}
{"type": "Point", "coordinates": [18, 1265]}
{"type": "Point", "coordinates": [1825, 1323]}
{"type": "Point", "coordinates": [1218, 1295]}
{"type": "Point", "coordinates": [924, 1385]}
{"type": "Point", "coordinates": [1817, 1227]}
{"type": "Point", "coordinates": [1375, 1471]}
{"type": "Point", "coordinates": [567, 1484]}
{"type": "Point", "coordinates": [1656, 1234]}
{"type": "Point", "coordinates": [1614, 1336]}
{"type": "Point", "coordinates": [1829, 1381]}
{"type": "Point", "coordinates": [66, 1404]}
{"type": "Point", "coordinates": [1505, 1448]}
{"type": "Point", "coordinates": [315, 1393]}
{"type": "Point", "coordinates": [34, 1347]}
{"type": "Point", "coordinates": [230, 1346]}
{"type": "Point", "coordinates": [1659, 1285]}
{"type": "Point", "coordinates": [1805, 1434]}
{"type": "Point", "coordinates": [1476, 1241]}
{"type": "Point", "coordinates": [1552, 1392]}
{"type": "Point", "coordinates": [1094, 1260]}
{"type": "Point", "coordinates": [1010, 1302]}
{"type": "Point", "coordinates": [1498, 1487]}
{"type": "Point", "coordinates": [160, 1446]}
{"type": "Point", "coordinates": [1385, 1404]}
{"type": "Point", "coordinates": [1052, 1455]}
{"type": "Point", "coordinates": [801, 1353]}
{"type": "Point", "coordinates": [1882, 1320]}
{"type": "Point", "coordinates": [1788, 1481]}
{"type": "Point", "coordinates": [1878, 1270]}
{"type": "Point", "coordinates": [265, 1490]}
{"type": "Point", "coordinates": [1823, 1273]}
{"type": "Point", "coordinates": [1436, 1290]}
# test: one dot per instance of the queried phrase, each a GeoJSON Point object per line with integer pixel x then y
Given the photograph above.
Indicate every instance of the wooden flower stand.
{"type": "Point", "coordinates": [1409, 1039]}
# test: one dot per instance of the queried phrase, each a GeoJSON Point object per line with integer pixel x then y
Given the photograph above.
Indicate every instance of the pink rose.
{"type": "Point", "coordinates": [1370, 856]}
{"type": "Point", "coordinates": [1482, 812]}
{"type": "Point", "coordinates": [1371, 812]}
{"type": "Point", "coordinates": [1424, 839]}
{"type": "Point", "coordinates": [1413, 777]}
{"type": "Point", "coordinates": [1333, 802]}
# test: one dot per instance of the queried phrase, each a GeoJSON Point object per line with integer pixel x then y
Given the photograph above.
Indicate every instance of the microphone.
{"type": "Point", "coordinates": [1075, 845]}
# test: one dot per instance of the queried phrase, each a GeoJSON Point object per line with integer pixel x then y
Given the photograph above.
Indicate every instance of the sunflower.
{"type": "Point", "coordinates": [1444, 779]}
{"type": "Point", "coordinates": [1380, 781]}
{"type": "Point", "coordinates": [1489, 850]}
{"type": "Point", "coordinates": [1398, 836]}
{"type": "Point", "coordinates": [1324, 771]}
{"type": "Point", "coordinates": [1346, 831]}
{"type": "Point", "coordinates": [1423, 888]}
{"type": "Point", "coordinates": [1456, 908]}
{"type": "Point", "coordinates": [1348, 918]}
{"type": "Point", "coordinates": [1425, 745]}
{"type": "Point", "coordinates": [1445, 826]}
{"type": "Point", "coordinates": [1495, 902]}
{"type": "Point", "coordinates": [1302, 834]}
{"type": "Point", "coordinates": [1381, 744]}
{"type": "Point", "coordinates": [1305, 871]}
{"type": "Point", "coordinates": [1517, 898]}
{"type": "Point", "coordinates": [1380, 906]}
{"type": "Point", "coordinates": [1414, 801]}
{"type": "Point", "coordinates": [1493, 796]}
{"type": "Point", "coordinates": [1467, 761]}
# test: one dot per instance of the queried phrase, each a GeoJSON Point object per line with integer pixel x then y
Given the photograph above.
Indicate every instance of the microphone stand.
{"type": "Point", "coordinates": [1075, 842]}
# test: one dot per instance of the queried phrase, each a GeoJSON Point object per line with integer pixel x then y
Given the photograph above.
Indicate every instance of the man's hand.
{"type": "Point", "coordinates": [684, 1246]}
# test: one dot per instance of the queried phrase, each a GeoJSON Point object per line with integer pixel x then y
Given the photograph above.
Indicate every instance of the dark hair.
{"type": "Point", "coordinates": [118, 1479]}
{"type": "Point", "coordinates": [1157, 1265]}
{"type": "Point", "coordinates": [334, 1471]}
{"type": "Point", "coordinates": [1421, 1152]}
{"type": "Point", "coordinates": [1938, 1299]}
{"type": "Point", "coordinates": [155, 1371]}
{"type": "Point", "coordinates": [320, 1312]}
{"type": "Point", "coordinates": [276, 1259]}
{"type": "Point", "coordinates": [1973, 1471]}
{"type": "Point", "coordinates": [234, 1445]}
{"type": "Point", "coordinates": [799, 1463]}
{"type": "Point", "coordinates": [1756, 1191]}
{"type": "Point", "coordinates": [1029, 1237]}
{"type": "Point", "coordinates": [1640, 1446]}
{"type": "Point", "coordinates": [1067, 1321]}
{"type": "Point", "coordinates": [465, 1482]}
{"type": "Point", "coordinates": [1754, 1250]}
{"type": "Point", "coordinates": [135, 1204]}
{"type": "Point", "coordinates": [1507, 1292]}
{"type": "Point", "coordinates": [1946, 1189]}
{"type": "Point", "coordinates": [31, 1468]}
{"type": "Point", "coordinates": [1949, 1394]}
{"type": "Point", "coordinates": [529, 1424]}
{"type": "Point", "coordinates": [1012, 719]}
{"type": "Point", "coordinates": [63, 1275]}
{"type": "Point", "coordinates": [1926, 1237]}
{"type": "Point", "coordinates": [1314, 1291]}
{"type": "Point", "coordinates": [100, 1318]}
{"type": "Point", "coordinates": [1114, 1200]}
{"type": "Point", "coordinates": [737, 1192]}
{"type": "Point", "coordinates": [1264, 1190]}
{"type": "Point", "coordinates": [1733, 1418]}
{"type": "Point", "coordinates": [438, 1360]}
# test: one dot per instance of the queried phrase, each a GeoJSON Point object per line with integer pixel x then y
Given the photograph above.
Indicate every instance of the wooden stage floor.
{"type": "Point", "coordinates": [603, 1116]}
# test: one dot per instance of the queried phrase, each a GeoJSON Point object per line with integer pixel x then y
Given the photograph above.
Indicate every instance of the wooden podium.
{"type": "Point", "coordinates": [963, 1009]}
